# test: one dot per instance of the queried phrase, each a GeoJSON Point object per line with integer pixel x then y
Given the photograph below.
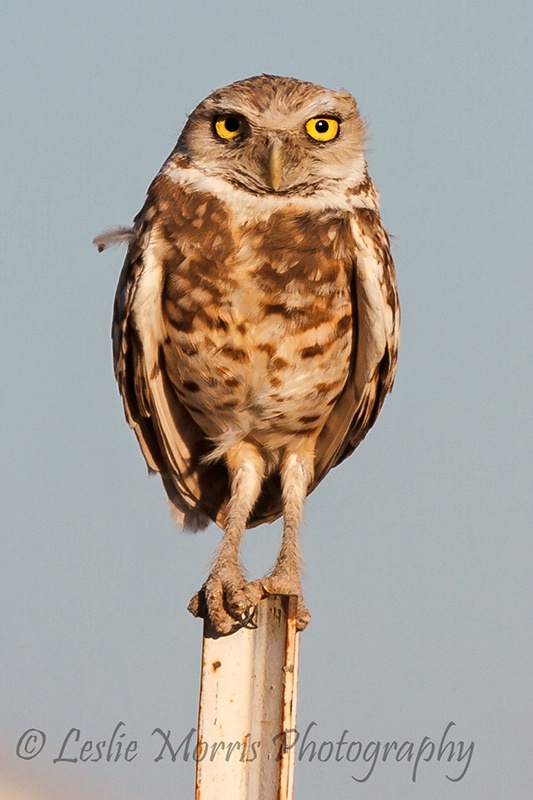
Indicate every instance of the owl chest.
{"type": "Point", "coordinates": [260, 342]}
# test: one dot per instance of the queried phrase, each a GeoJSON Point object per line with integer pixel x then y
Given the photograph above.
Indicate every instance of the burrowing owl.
{"type": "Point", "coordinates": [256, 319]}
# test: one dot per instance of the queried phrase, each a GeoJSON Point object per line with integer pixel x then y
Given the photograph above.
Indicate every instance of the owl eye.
{"type": "Point", "coordinates": [322, 129]}
{"type": "Point", "coordinates": [229, 126]}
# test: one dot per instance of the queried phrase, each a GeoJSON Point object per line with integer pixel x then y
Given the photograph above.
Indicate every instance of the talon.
{"type": "Point", "coordinates": [227, 604]}
{"type": "Point", "coordinates": [283, 583]}
{"type": "Point", "coordinates": [304, 617]}
{"type": "Point", "coordinates": [197, 604]}
{"type": "Point", "coordinates": [248, 618]}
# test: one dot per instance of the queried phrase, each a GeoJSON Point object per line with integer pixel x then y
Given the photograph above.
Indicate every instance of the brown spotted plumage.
{"type": "Point", "coordinates": [256, 318]}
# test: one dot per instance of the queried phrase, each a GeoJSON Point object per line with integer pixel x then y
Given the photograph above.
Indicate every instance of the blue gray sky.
{"type": "Point", "coordinates": [418, 548]}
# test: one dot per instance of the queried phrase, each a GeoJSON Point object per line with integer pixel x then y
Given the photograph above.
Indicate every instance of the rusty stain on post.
{"type": "Point", "coordinates": [247, 701]}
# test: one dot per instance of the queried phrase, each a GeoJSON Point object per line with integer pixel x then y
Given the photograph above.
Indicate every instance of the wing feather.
{"type": "Point", "coordinates": [170, 440]}
{"type": "Point", "coordinates": [376, 316]}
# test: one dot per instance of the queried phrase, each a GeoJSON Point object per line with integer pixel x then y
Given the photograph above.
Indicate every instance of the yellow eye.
{"type": "Point", "coordinates": [229, 126]}
{"type": "Point", "coordinates": [322, 129]}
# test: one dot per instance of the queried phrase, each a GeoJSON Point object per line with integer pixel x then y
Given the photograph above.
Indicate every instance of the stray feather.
{"type": "Point", "coordinates": [112, 237]}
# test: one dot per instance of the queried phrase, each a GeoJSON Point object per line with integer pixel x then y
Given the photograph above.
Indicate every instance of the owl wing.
{"type": "Point", "coordinates": [170, 440]}
{"type": "Point", "coordinates": [376, 316]}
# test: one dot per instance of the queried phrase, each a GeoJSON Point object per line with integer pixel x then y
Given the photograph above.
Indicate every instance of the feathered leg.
{"type": "Point", "coordinates": [228, 597]}
{"type": "Point", "coordinates": [296, 475]}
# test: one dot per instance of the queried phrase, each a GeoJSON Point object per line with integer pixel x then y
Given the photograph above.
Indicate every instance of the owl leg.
{"type": "Point", "coordinates": [296, 475]}
{"type": "Point", "coordinates": [227, 596]}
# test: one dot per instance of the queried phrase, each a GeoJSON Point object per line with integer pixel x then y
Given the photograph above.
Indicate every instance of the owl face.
{"type": "Point", "coordinates": [269, 134]}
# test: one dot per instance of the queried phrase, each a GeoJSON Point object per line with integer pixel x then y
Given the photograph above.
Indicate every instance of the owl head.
{"type": "Point", "coordinates": [270, 134]}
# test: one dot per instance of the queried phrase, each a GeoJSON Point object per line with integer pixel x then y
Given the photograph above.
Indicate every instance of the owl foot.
{"type": "Point", "coordinates": [229, 604]}
{"type": "Point", "coordinates": [286, 583]}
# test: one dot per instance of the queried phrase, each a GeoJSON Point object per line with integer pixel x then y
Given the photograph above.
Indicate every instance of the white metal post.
{"type": "Point", "coordinates": [247, 701]}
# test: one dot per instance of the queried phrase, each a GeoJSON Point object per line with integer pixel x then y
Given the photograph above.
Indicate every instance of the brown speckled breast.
{"type": "Point", "coordinates": [259, 322]}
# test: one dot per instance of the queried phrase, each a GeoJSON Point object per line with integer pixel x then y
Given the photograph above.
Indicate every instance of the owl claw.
{"type": "Point", "coordinates": [288, 584]}
{"type": "Point", "coordinates": [227, 606]}
{"type": "Point", "coordinates": [197, 604]}
{"type": "Point", "coordinates": [247, 618]}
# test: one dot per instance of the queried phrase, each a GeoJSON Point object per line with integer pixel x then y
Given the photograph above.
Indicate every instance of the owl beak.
{"type": "Point", "coordinates": [275, 163]}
